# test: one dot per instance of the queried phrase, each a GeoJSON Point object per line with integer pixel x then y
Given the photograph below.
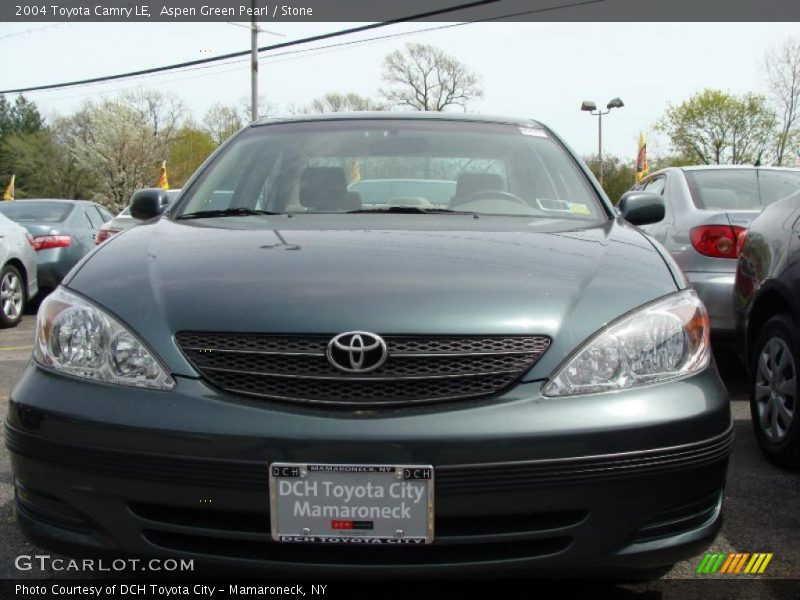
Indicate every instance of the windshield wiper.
{"type": "Point", "coordinates": [413, 210]}
{"type": "Point", "coordinates": [227, 212]}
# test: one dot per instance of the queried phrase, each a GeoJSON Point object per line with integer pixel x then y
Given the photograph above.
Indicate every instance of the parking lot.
{"type": "Point", "coordinates": [761, 503]}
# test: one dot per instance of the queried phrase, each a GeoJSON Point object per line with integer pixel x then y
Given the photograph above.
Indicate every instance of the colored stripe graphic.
{"type": "Point", "coordinates": [718, 563]}
{"type": "Point", "coordinates": [703, 563]}
{"type": "Point", "coordinates": [724, 563]}
{"type": "Point", "coordinates": [741, 562]}
{"type": "Point", "coordinates": [758, 563]}
{"type": "Point", "coordinates": [727, 564]}
{"type": "Point", "coordinates": [711, 562]}
{"type": "Point", "coordinates": [765, 563]}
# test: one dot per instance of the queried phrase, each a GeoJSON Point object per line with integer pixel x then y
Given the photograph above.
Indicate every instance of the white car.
{"type": "Point", "coordinates": [17, 271]}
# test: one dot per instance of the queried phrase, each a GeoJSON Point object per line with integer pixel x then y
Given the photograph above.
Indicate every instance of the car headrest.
{"type": "Point", "coordinates": [323, 188]}
{"type": "Point", "coordinates": [469, 183]}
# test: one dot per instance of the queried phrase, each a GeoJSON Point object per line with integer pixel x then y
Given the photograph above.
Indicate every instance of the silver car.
{"type": "Point", "coordinates": [17, 271]}
{"type": "Point", "coordinates": [708, 210]}
{"type": "Point", "coordinates": [124, 221]}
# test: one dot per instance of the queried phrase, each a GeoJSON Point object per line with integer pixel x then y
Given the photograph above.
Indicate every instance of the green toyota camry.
{"type": "Point", "coordinates": [490, 367]}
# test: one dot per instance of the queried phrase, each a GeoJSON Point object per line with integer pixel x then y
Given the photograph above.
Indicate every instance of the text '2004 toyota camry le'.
{"type": "Point", "coordinates": [492, 369]}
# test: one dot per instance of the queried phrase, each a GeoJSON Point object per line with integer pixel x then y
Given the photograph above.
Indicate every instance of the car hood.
{"type": "Point", "coordinates": [401, 274]}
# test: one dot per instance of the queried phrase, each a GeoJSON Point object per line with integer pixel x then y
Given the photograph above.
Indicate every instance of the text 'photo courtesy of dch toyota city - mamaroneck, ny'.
{"type": "Point", "coordinates": [317, 298]}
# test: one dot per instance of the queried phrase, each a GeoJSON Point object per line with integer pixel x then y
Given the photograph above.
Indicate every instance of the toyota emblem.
{"type": "Point", "coordinates": [357, 352]}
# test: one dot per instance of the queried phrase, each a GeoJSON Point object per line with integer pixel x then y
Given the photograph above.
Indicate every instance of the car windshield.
{"type": "Point", "coordinates": [740, 189]}
{"type": "Point", "coordinates": [34, 210]}
{"type": "Point", "coordinates": [394, 166]}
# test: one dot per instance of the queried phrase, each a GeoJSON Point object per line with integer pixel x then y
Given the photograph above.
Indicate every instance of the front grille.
{"type": "Point", "coordinates": [450, 529]}
{"type": "Point", "coordinates": [467, 538]}
{"type": "Point", "coordinates": [418, 369]}
{"type": "Point", "coordinates": [332, 555]}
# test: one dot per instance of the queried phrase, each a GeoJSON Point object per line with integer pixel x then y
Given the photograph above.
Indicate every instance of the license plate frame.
{"type": "Point", "coordinates": [412, 480]}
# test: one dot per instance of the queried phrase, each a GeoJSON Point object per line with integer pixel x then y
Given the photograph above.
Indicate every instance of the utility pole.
{"type": "Point", "coordinates": [254, 65]}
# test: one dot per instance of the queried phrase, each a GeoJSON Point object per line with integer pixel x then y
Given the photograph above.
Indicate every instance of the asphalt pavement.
{"type": "Point", "coordinates": [762, 506]}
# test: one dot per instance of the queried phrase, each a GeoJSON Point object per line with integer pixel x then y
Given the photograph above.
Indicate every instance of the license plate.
{"type": "Point", "coordinates": [351, 504]}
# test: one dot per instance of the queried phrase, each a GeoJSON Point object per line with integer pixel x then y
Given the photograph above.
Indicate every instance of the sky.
{"type": "Point", "coordinates": [538, 70]}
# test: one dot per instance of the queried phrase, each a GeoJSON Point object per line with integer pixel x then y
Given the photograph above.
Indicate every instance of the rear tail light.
{"type": "Point", "coordinates": [741, 238]}
{"type": "Point", "coordinates": [718, 241]}
{"type": "Point", "coordinates": [43, 242]}
{"type": "Point", "coordinates": [104, 234]}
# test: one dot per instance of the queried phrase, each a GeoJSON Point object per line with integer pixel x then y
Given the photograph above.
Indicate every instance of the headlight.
{"type": "Point", "coordinates": [76, 337]}
{"type": "Point", "coordinates": [660, 341]}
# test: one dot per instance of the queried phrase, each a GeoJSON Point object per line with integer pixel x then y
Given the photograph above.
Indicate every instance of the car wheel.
{"type": "Point", "coordinates": [12, 296]}
{"type": "Point", "coordinates": [774, 391]}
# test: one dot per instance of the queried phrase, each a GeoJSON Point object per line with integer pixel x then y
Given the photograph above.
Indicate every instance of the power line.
{"type": "Point", "coordinates": [40, 27]}
{"type": "Point", "coordinates": [337, 47]}
{"type": "Point", "coordinates": [306, 40]}
{"type": "Point", "coordinates": [259, 29]}
{"type": "Point", "coordinates": [329, 47]}
{"type": "Point", "coordinates": [435, 28]}
{"type": "Point", "coordinates": [311, 52]}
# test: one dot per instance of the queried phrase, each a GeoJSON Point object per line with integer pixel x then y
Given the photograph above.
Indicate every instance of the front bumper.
{"type": "Point", "coordinates": [716, 292]}
{"type": "Point", "coordinates": [630, 480]}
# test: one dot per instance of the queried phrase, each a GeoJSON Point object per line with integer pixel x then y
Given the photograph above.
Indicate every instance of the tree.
{"type": "Point", "coordinates": [265, 108]}
{"type": "Point", "coordinates": [20, 117]}
{"type": "Point", "coordinates": [423, 77]}
{"type": "Point", "coordinates": [44, 166]}
{"type": "Point", "coordinates": [782, 68]}
{"type": "Point", "coordinates": [338, 102]}
{"type": "Point", "coordinates": [163, 112]}
{"type": "Point", "coordinates": [188, 150]}
{"type": "Point", "coordinates": [713, 127]}
{"type": "Point", "coordinates": [221, 122]}
{"type": "Point", "coordinates": [618, 176]}
{"type": "Point", "coordinates": [120, 145]}
{"type": "Point", "coordinates": [669, 160]}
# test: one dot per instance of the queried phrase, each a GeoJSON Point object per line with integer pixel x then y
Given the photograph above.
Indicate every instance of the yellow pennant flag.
{"type": "Point", "coordinates": [355, 171]}
{"type": "Point", "coordinates": [9, 193]}
{"type": "Point", "coordinates": [641, 159]}
{"type": "Point", "coordinates": [163, 182]}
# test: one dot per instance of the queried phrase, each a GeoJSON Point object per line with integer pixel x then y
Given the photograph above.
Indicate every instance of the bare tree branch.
{"type": "Point", "coordinates": [339, 102]}
{"type": "Point", "coordinates": [423, 77]}
{"type": "Point", "coordinates": [782, 69]}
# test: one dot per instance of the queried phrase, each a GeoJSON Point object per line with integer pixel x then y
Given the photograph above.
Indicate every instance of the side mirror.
{"type": "Point", "coordinates": [148, 203]}
{"type": "Point", "coordinates": [641, 208]}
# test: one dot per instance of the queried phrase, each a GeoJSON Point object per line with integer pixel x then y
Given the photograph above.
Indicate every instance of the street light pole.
{"type": "Point", "coordinates": [600, 143]}
{"type": "Point", "coordinates": [591, 108]}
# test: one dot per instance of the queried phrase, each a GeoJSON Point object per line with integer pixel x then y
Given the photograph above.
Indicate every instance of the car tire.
{"type": "Point", "coordinates": [12, 296]}
{"type": "Point", "coordinates": [774, 387]}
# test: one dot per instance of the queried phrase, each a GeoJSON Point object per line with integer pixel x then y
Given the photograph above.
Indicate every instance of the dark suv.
{"type": "Point", "coordinates": [767, 305]}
